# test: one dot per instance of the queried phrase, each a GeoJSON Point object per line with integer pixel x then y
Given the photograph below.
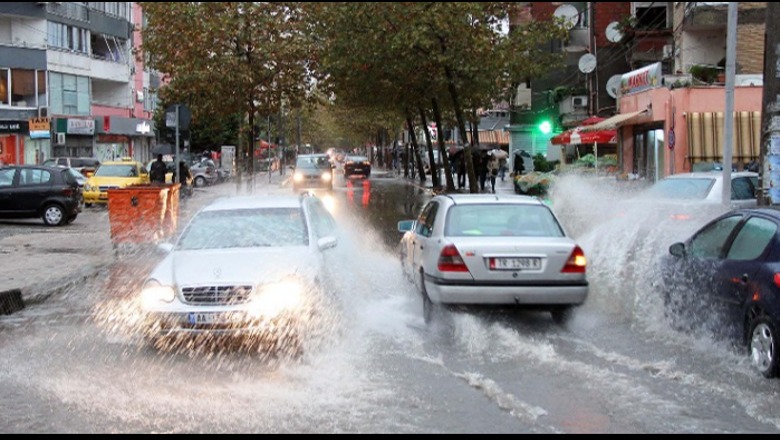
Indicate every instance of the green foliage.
{"type": "Point", "coordinates": [542, 165]}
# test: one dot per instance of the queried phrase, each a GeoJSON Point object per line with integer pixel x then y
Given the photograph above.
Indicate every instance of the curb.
{"type": "Point", "coordinates": [54, 288]}
{"type": "Point", "coordinates": [11, 302]}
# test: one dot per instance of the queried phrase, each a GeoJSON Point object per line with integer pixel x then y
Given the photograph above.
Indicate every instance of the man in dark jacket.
{"type": "Point", "coordinates": [158, 171]}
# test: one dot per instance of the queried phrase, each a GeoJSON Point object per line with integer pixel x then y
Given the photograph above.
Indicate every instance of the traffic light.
{"type": "Point", "coordinates": [545, 127]}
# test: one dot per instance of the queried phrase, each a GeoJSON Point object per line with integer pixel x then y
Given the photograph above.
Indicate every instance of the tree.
{"type": "Point", "coordinates": [240, 58]}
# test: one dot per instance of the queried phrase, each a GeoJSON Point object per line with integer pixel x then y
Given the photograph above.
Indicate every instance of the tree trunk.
{"type": "Point", "coordinates": [435, 174]}
{"type": "Point", "coordinates": [416, 150]}
{"type": "Point", "coordinates": [239, 159]}
{"type": "Point", "coordinates": [473, 184]}
{"type": "Point", "coordinates": [443, 147]}
{"type": "Point", "coordinates": [251, 179]}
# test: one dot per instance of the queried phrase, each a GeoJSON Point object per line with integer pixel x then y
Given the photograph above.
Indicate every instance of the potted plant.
{"type": "Point", "coordinates": [704, 73]}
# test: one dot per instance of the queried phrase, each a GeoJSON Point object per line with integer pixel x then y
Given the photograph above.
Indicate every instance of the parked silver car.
{"type": "Point", "coordinates": [489, 250]}
{"type": "Point", "coordinates": [204, 173]}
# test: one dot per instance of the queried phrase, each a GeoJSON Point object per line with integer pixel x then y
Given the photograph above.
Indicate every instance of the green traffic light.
{"type": "Point", "coordinates": [545, 127]}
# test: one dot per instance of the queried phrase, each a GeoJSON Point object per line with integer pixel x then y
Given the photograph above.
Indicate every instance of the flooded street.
{"type": "Point", "coordinates": [76, 364]}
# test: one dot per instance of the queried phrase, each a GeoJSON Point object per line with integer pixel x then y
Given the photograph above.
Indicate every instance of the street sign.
{"type": "Point", "coordinates": [185, 117]}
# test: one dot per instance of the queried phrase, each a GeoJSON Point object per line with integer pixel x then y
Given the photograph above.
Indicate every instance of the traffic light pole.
{"type": "Point", "coordinates": [770, 124]}
{"type": "Point", "coordinates": [731, 71]}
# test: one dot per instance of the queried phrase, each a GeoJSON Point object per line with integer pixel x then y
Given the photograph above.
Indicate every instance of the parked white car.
{"type": "Point", "coordinates": [247, 267]}
{"type": "Point", "coordinates": [493, 250]}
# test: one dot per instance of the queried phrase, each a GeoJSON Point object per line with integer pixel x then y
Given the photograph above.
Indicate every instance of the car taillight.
{"type": "Point", "coordinates": [451, 261]}
{"type": "Point", "coordinates": [577, 262]}
{"type": "Point", "coordinates": [777, 280]}
{"type": "Point", "coordinates": [67, 192]}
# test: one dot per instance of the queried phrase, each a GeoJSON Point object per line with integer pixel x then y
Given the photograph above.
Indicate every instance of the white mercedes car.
{"type": "Point", "coordinates": [475, 250]}
{"type": "Point", "coordinates": [253, 267]}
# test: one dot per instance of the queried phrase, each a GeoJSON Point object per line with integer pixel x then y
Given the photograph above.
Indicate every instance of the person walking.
{"type": "Point", "coordinates": [493, 168]}
{"type": "Point", "coordinates": [482, 170]}
{"type": "Point", "coordinates": [158, 171]}
{"type": "Point", "coordinates": [185, 177]}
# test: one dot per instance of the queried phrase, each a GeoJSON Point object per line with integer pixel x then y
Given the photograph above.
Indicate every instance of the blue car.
{"type": "Point", "coordinates": [725, 281]}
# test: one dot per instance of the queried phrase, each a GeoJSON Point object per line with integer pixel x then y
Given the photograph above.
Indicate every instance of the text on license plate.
{"type": "Point", "coordinates": [515, 263]}
{"type": "Point", "coordinates": [210, 318]}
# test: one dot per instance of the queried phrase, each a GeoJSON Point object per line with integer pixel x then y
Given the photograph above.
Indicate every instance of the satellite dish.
{"type": "Point", "coordinates": [588, 63]}
{"type": "Point", "coordinates": [613, 86]}
{"type": "Point", "coordinates": [614, 34]}
{"type": "Point", "coordinates": [569, 14]}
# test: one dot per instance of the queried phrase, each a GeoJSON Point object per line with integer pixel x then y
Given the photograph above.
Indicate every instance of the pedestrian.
{"type": "Point", "coordinates": [185, 177]}
{"type": "Point", "coordinates": [158, 171]}
{"type": "Point", "coordinates": [519, 165]}
{"type": "Point", "coordinates": [461, 164]}
{"type": "Point", "coordinates": [502, 169]}
{"type": "Point", "coordinates": [482, 170]}
{"type": "Point", "coordinates": [493, 166]}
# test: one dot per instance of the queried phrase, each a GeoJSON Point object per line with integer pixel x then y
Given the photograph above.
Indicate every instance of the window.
{"type": "Point", "coordinates": [502, 221]}
{"type": "Point", "coordinates": [70, 95]}
{"type": "Point", "coordinates": [22, 88]}
{"type": "Point", "coordinates": [753, 240]}
{"type": "Point", "coordinates": [710, 244]}
{"type": "Point", "coordinates": [427, 220]}
{"type": "Point", "coordinates": [62, 36]}
{"type": "Point", "coordinates": [742, 189]}
{"type": "Point", "coordinates": [34, 177]}
{"type": "Point", "coordinates": [7, 178]}
{"type": "Point", "coordinates": [651, 15]}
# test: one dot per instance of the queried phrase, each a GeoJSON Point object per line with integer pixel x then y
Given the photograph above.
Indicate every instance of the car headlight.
{"type": "Point", "coordinates": [298, 177]}
{"type": "Point", "coordinates": [155, 293]}
{"type": "Point", "coordinates": [275, 299]}
{"type": "Point", "coordinates": [327, 177]}
{"type": "Point", "coordinates": [88, 188]}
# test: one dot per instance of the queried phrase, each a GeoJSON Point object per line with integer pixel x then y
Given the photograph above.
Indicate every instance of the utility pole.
{"type": "Point", "coordinates": [770, 124]}
{"type": "Point", "coordinates": [731, 71]}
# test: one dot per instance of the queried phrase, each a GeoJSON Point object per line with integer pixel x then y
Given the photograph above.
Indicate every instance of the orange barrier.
{"type": "Point", "coordinates": [143, 214]}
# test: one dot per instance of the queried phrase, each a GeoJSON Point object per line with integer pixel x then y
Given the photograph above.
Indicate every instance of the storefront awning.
{"type": "Point", "coordinates": [616, 121]}
{"type": "Point", "coordinates": [492, 137]}
{"type": "Point", "coordinates": [706, 133]}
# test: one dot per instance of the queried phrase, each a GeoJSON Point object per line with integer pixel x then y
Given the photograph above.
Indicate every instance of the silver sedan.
{"type": "Point", "coordinates": [493, 250]}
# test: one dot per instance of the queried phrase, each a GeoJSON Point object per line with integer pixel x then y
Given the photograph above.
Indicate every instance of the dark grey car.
{"type": "Point", "coordinates": [52, 194]}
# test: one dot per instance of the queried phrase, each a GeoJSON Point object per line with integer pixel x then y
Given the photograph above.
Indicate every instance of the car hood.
{"type": "Point", "coordinates": [245, 266]}
{"type": "Point", "coordinates": [114, 181]}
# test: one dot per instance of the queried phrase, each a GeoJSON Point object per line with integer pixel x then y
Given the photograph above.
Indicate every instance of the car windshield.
{"type": "Point", "coordinates": [492, 220]}
{"type": "Point", "coordinates": [245, 228]}
{"type": "Point", "coordinates": [313, 162]}
{"type": "Point", "coordinates": [684, 189]}
{"type": "Point", "coordinates": [117, 171]}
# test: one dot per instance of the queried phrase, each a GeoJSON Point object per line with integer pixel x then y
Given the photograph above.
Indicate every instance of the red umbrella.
{"type": "Point", "coordinates": [577, 137]}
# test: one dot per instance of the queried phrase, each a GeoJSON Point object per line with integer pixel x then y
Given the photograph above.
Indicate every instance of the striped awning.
{"type": "Point", "coordinates": [706, 133]}
{"type": "Point", "coordinates": [492, 137]}
{"type": "Point", "coordinates": [616, 121]}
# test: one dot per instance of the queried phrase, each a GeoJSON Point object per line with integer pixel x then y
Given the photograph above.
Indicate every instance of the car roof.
{"type": "Point", "coordinates": [710, 175]}
{"type": "Point", "coordinates": [770, 211]}
{"type": "Point", "coordinates": [488, 199]}
{"type": "Point", "coordinates": [254, 202]}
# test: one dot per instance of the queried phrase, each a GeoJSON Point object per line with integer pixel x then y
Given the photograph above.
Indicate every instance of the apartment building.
{"type": "Point", "coordinates": [70, 84]}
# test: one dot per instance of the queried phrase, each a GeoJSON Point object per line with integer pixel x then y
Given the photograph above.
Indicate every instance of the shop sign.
{"type": "Point", "coordinates": [40, 128]}
{"type": "Point", "coordinates": [84, 127]}
{"type": "Point", "coordinates": [647, 78]}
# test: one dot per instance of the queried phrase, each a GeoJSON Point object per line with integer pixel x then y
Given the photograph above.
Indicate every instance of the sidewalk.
{"type": "Point", "coordinates": [47, 261]}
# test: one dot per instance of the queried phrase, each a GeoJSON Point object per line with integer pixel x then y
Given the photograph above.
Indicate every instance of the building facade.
{"type": "Point", "coordinates": [71, 66]}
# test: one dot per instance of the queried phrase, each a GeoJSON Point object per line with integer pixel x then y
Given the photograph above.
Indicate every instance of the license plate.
{"type": "Point", "coordinates": [516, 264]}
{"type": "Point", "coordinates": [210, 318]}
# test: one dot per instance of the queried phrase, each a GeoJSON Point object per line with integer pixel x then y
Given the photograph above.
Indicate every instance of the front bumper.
{"type": "Point", "coordinates": [225, 323]}
{"type": "Point", "coordinates": [95, 198]}
{"type": "Point", "coordinates": [531, 295]}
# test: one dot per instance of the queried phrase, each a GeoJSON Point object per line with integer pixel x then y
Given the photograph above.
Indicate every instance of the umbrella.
{"type": "Point", "coordinates": [577, 137]}
{"type": "Point", "coordinates": [500, 154]}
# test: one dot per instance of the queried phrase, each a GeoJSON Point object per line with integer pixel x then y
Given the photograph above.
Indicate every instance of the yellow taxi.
{"type": "Point", "coordinates": [114, 175]}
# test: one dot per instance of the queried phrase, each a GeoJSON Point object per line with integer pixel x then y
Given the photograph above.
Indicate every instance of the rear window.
{"type": "Point", "coordinates": [502, 221]}
{"type": "Point", "coordinates": [684, 189]}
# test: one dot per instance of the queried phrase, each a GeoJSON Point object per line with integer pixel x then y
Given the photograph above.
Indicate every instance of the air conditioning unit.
{"type": "Point", "coordinates": [579, 102]}
{"type": "Point", "coordinates": [43, 112]}
{"type": "Point", "coordinates": [60, 139]}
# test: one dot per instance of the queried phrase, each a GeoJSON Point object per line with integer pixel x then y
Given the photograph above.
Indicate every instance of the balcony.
{"type": "Point", "coordinates": [71, 10]}
{"type": "Point", "coordinates": [702, 16]}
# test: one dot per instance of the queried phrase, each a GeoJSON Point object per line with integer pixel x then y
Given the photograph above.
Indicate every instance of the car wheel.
{"type": "Point", "coordinates": [200, 182]}
{"type": "Point", "coordinates": [562, 315]}
{"type": "Point", "coordinates": [429, 308]}
{"type": "Point", "coordinates": [88, 205]}
{"type": "Point", "coordinates": [763, 346]}
{"type": "Point", "coordinates": [54, 215]}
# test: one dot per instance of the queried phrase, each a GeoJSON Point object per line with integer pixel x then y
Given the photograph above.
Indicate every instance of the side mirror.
{"type": "Point", "coordinates": [165, 248]}
{"type": "Point", "coordinates": [327, 243]}
{"type": "Point", "coordinates": [406, 226]}
{"type": "Point", "coordinates": [678, 250]}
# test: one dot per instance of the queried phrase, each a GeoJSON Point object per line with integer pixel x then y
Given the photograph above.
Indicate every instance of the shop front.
{"type": "Point", "coordinates": [74, 137]}
{"type": "Point", "coordinates": [119, 137]}
{"type": "Point", "coordinates": [662, 132]}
